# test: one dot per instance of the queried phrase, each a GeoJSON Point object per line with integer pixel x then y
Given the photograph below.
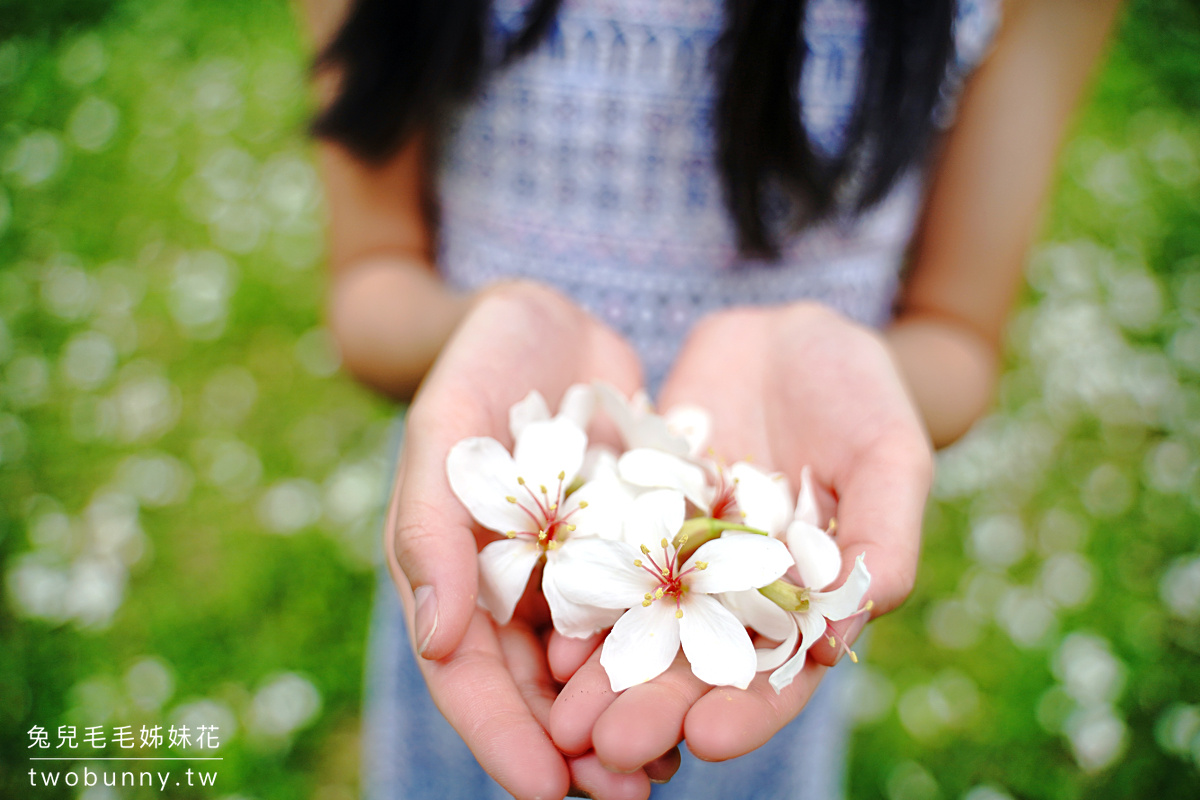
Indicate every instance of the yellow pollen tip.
{"type": "Point", "coordinates": [511, 499]}
{"type": "Point", "coordinates": [701, 565]}
{"type": "Point", "coordinates": [571, 528]}
{"type": "Point", "coordinates": [679, 613]}
{"type": "Point", "coordinates": [683, 537]}
{"type": "Point", "coordinates": [637, 562]}
{"type": "Point", "coordinates": [583, 504]}
{"type": "Point", "coordinates": [554, 506]}
{"type": "Point", "coordinates": [554, 545]}
{"type": "Point", "coordinates": [832, 526]}
{"type": "Point", "coordinates": [511, 534]}
{"type": "Point", "coordinates": [854, 656]}
{"type": "Point", "coordinates": [520, 480]}
{"type": "Point", "coordinates": [645, 604]}
{"type": "Point", "coordinates": [832, 641]}
{"type": "Point", "coordinates": [658, 593]}
{"type": "Point", "coordinates": [666, 572]}
{"type": "Point", "coordinates": [870, 604]}
{"type": "Point", "coordinates": [648, 596]}
{"type": "Point", "coordinates": [645, 550]}
{"type": "Point", "coordinates": [663, 544]}
{"type": "Point", "coordinates": [543, 488]}
{"type": "Point", "coordinates": [743, 515]}
{"type": "Point", "coordinates": [541, 536]}
{"type": "Point", "coordinates": [562, 476]}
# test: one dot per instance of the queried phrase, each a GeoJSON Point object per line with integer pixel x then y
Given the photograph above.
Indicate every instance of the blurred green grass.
{"type": "Point", "coordinates": [189, 494]}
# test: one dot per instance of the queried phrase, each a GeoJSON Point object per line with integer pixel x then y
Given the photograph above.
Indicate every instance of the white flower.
{"type": "Point", "coordinates": [525, 497]}
{"type": "Point", "coordinates": [742, 494]}
{"type": "Point", "coordinates": [682, 431]}
{"type": "Point", "coordinates": [818, 563]}
{"type": "Point", "coordinates": [669, 602]}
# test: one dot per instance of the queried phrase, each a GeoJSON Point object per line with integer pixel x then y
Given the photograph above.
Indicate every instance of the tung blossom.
{"type": "Point", "coordinates": [670, 599]}
{"type": "Point", "coordinates": [681, 431]}
{"type": "Point", "coordinates": [527, 497]}
{"type": "Point", "coordinates": [818, 563]}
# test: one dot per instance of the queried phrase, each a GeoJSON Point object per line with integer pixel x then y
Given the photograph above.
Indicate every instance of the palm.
{"type": "Point", "coordinates": [518, 337]}
{"type": "Point", "coordinates": [787, 387]}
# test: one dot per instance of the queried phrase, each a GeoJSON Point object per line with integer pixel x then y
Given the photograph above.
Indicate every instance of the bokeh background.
{"type": "Point", "coordinates": [190, 491]}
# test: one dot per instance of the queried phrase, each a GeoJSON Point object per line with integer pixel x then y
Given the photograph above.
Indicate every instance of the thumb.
{"type": "Point", "coordinates": [431, 552]}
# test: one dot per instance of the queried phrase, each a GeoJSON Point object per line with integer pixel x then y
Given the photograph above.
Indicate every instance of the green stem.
{"type": "Point", "coordinates": [696, 532]}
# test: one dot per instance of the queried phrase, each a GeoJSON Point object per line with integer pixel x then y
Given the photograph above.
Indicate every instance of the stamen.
{"type": "Point", "coordinates": [554, 506]}
{"type": "Point", "coordinates": [583, 504]}
{"type": "Point", "coordinates": [511, 534]}
{"type": "Point", "coordinates": [541, 536]}
{"type": "Point", "coordinates": [543, 488]}
{"type": "Point", "coordinates": [637, 562]}
{"type": "Point", "coordinates": [520, 480]}
{"type": "Point", "coordinates": [679, 613]}
{"type": "Point", "coordinates": [832, 529]}
{"type": "Point", "coordinates": [658, 593]}
{"type": "Point", "coordinates": [645, 604]}
{"type": "Point", "coordinates": [562, 476]}
{"type": "Point", "coordinates": [701, 565]}
{"type": "Point", "coordinates": [510, 499]}
{"type": "Point", "coordinates": [645, 550]}
{"type": "Point", "coordinates": [648, 596]}
{"type": "Point", "coordinates": [663, 544]}
{"type": "Point", "coordinates": [571, 528]}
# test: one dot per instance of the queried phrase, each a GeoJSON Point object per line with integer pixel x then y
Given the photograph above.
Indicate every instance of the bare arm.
{"type": "Point", "coordinates": [984, 206]}
{"type": "Point", "coordinates": [389, 312]}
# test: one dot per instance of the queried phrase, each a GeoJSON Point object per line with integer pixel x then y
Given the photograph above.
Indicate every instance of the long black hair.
{"type": "Point", "coordinates": [405, 66]}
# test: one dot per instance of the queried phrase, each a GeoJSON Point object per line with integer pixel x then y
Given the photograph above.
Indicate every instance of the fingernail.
{"type": "Point", "coordinates": [426, 616]}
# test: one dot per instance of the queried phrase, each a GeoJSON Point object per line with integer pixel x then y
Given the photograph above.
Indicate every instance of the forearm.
{"type": "Point", "coordinates": [949, 368]}
{"type": "Point", "coordinates": [390, 317]}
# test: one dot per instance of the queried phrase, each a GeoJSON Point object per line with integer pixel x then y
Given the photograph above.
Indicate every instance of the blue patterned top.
{"type": "Point", "coordinates": [588, 165]}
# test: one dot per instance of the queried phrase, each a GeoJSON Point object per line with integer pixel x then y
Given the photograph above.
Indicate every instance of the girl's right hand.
{"type": "Point", "coordinates": [493, 682]}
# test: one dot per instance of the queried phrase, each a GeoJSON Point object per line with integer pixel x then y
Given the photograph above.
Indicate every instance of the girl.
{"type": "Point", "coordinates": [738, 204]}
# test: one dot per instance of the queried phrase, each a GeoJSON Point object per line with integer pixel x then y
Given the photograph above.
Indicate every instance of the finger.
{"type": "Point", "coordinates": [476, 692]}
{"type": "Point", "coordinates": [880, 510]}
{"type": "Point", "coordinates": [579, 704]}
{"type": "Point", "coordinates": [522, 652]}
{"type": "Point", "coordinates": [567, 655]}
{"type": "Point", "coordinates": [590, 776]}
{"type": "Point", "coordinates": [645, 721]}
{"type": "Point", "coordinates": [728, 722]}
{"type": "Point", "coordinates": [432, 551]}
{"type": "Point", "coordinates": [663, 768]}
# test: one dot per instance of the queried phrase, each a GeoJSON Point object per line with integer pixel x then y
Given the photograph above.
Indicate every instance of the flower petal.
{"type": "Point", "coordinates": [545, 449]}
{"type": "Point", "coordinates": [737, 561]}
{"type": "Point", "coordinates": [532, 408]}
{"type": "Point", "coordinates": [481, 474]}
{"type": "Point", "coordinates": [771, 657]}
{"type": "Point", "coordinates": [716, 644]}
{"type": "Point", "coordinates": [571, 619]}
{"type": "Point", "coordinates": [765, 500]}
{"type": "Point", "coordinates": [691, 423]}
{"type": "Point", "coordinates": [818, 559]}
{"type": "Point", "coordinates": [504, 569]}
{"type": "Point", "coordinates": [641, 645]}
{"type": "Point", "coordinates": [812, 628]}
{"type": "Point", "coordinates": [600, 572]}
{"type": "Point", "coordinates": [578, 404]}
{"type": "Point", "coordinates": [757, 612]}
{"type": "Point", "coordinates": [806, 502]}
{"type": "Point", "coordinates": [654, 516]}
{"type": "Point", "coordinates": [847, 598]}
{"type": "Point", "coordinates": [655, 469]}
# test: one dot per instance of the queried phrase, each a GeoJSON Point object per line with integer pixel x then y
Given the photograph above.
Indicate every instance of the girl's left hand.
{"type": "Point", "coordinates": [788, 387]}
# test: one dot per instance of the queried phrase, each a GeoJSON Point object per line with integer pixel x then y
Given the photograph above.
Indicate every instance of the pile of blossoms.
{"type": "Point", "coordinates": [665, 546]}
